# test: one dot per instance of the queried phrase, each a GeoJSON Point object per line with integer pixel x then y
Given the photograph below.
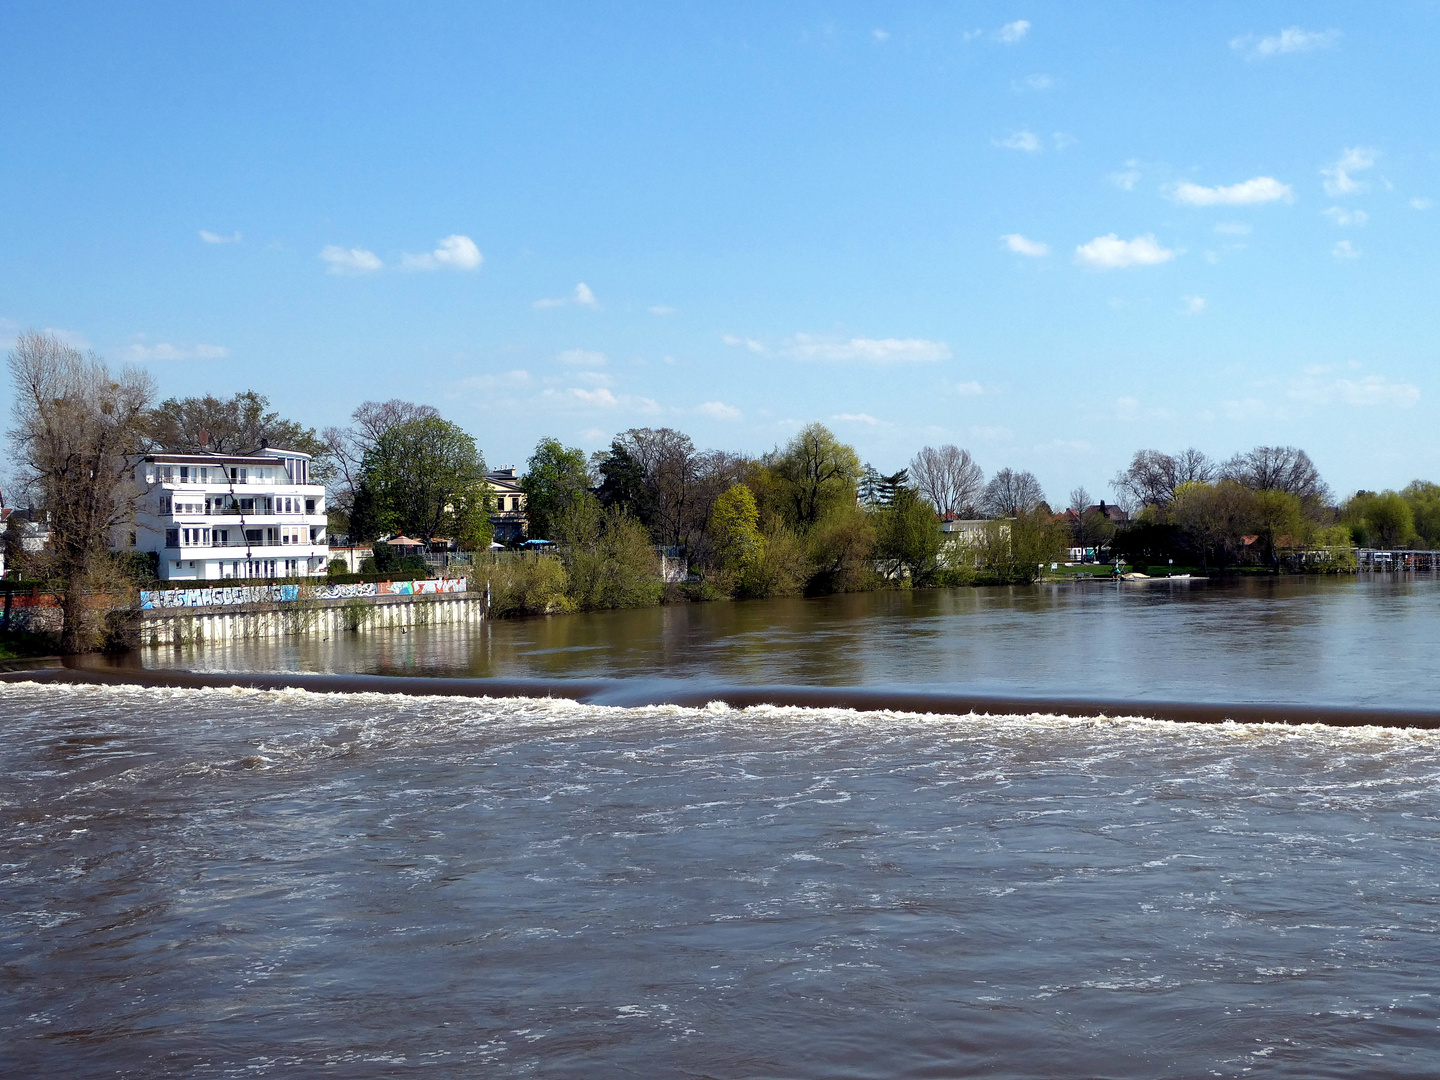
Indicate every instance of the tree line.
{"type": "Point", "coordinates": [807, 517]}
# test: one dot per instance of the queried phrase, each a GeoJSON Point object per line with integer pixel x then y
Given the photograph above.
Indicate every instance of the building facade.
{"type": "Point", "coordinates": [215, 516]}
{"type": "Point", "coordinates": [510, 522]}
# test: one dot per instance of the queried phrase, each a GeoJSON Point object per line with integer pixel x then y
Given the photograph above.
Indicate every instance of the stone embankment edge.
{"type": "Point", "coordinates": [634, 693]}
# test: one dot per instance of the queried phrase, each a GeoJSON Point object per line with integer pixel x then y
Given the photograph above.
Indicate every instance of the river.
{"type": "Point", "coordinates": [237, 883]}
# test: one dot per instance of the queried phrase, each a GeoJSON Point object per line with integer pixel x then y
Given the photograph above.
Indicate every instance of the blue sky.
{"type": "Point", "coordinates": [1050, 233]}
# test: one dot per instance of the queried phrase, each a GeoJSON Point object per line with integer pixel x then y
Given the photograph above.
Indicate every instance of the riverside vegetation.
{"type": "Point", "coordinates": [807, 518]}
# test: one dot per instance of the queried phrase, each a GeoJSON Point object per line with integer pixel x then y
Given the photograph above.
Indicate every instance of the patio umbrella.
{"type": "Point", "coordinates": [405, 541]}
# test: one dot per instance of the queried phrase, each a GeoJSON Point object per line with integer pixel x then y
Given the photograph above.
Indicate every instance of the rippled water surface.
{"type": "Point", "coordinates": [215, 883]}
{"type": "Point", "coordinates": [1372, 640]}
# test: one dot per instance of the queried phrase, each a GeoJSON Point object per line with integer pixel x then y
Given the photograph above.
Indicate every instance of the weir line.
{"type": "Point", "coordinates": [631, 693]}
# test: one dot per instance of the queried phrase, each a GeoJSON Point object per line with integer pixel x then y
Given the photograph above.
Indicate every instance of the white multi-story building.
{"type": "Point", "coordinates": [215, 516]}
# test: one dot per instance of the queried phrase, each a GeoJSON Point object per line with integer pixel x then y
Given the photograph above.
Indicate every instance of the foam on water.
{"type": "Point", "coordinates": [245, 882]}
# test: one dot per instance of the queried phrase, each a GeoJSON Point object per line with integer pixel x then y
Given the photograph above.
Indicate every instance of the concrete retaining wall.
{"type": "Point", "coordinates": [194, 626]}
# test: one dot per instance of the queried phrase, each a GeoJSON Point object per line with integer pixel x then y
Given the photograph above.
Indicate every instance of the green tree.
{"type": "Point", "coordinates": [909, 539]}
{"type": "Point", "coordinates": [735, 531]}
{"type": "Point", "coordinates": [554, 477]}
{"type": "Point", "coordinates": [818, 473]}
{"type": "Point", "coordinates": [1424, 500]}
{"type": "Point", "coordinates": [608, 557]}
{"type": "Point", "coordinates": [1389, 521]}
{"type": "Point", "coordinates": [842, 549]}
{"type": "Point", "coordinates": [425, 477]}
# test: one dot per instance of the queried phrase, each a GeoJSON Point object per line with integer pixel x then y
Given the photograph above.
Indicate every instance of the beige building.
{"type": "Point", "coordinates": [509, 519]}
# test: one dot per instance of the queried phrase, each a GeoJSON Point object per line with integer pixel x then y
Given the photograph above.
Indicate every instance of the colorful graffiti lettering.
{"type": "Point", "coordinates": [272, 594]}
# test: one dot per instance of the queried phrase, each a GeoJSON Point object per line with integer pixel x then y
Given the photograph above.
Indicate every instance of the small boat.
{"type": "Point", "coordinates": [1135, 575]}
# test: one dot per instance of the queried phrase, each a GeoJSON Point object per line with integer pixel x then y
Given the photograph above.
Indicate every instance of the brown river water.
{"type": "Point", "coordinates": [241, 882]}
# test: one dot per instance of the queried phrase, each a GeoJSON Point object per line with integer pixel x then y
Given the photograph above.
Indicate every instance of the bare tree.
{"type": "Point", "coordinates": [1278, 468]}
{"type": "Point", "coordinates": [1079, 501]}
{"type": "Point", "coordinates": [1152, 477]}
{"type": "Point", "coordinates": [949, 478]}
{"type": "Point", "coordinates": [1011, 493]}
{"type": "Point", "coordinates": [79, 433]}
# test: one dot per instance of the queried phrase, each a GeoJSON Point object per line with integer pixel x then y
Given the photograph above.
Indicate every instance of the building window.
{"type": "Point", "coordinates": [309, 506]}
{"type": "Point", "coordinates": [172, 539]}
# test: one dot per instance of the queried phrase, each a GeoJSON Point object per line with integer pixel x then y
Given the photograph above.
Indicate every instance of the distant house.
{"type": "Point", "coordinates": [510, 522]}
{"type": "Point", "coordinates": [966, 530]}
{"type": "Point", "coordinates": [29, 526]}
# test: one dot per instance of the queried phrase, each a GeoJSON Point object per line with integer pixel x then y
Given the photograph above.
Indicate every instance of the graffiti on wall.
{"type": "Point", "coordinates": [279, 594]}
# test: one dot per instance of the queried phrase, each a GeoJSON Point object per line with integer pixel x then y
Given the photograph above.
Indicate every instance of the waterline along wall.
{"type": "Point", "coordinates": [195, 616]}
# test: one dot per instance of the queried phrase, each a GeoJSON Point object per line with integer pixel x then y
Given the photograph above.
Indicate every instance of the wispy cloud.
{"type": "Point", "coordinates": [581, 297]}
{"type": "Point", "coordinates": [1035, 249]}
{"type": "Point", "coordinates": [968, 389]}
{"type": "Point", "coordinates": [583, 358]}
{"type": "Point", "coordinates": [1290, 40]}
{"type": "Point", "coordinates": [1316, 387]}
{"type": "Point", "coordinates": [1013, 32]}
{"type": "Point", "coordinates": [718, 410]}
{"type": "Point", "coordinates": [1261, 189]}
{"type": "Point", "coordinates": [880, 35]}
{"type": "Point", "coordinates": [1341, 216]}
{"type": "Point", "coordinates": [1127, 178]}
{"type": "Point", "coordinates": [1345, 250]}
{"type": "Point", "coordinates": [452, 253]}
{"type": "Point", "coordinates": [810, 347]}
{"type": "Point", "coordinates": [349, 261]}
{"type": "Point", "coordinates": [854, 418]}
{"type": "Point", "coordinates": [1026, 141]}
{"type": "Point", "coordinates": [1338, 177]}
{"type": "Point", "coordinates": [1421, 204]}
{"type": "Point", "coordinates": [749, 344]}
{"type": "Point", "coordinates": [1232, 228]}
{"type": "Point", "coordinates": [1194, 305]}
{"type": "Point", "coordinates": [219, 238]}
{"type": "Point", "coordinates": [1109, 252]}
{"type": "Point", "coordinates": [662, 309]}
{"type": "Point", "coordinates": [1033, 83]}
{"type": "Point", "coordinates": [142, 352]}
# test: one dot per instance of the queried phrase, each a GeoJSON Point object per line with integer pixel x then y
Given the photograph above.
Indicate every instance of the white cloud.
{"type": "Point", "coordinates": [349, 261]}
{"type": "Point", "coordinates": [581, 297]}
{"type": "Point", "coordinates": [1366, 391]}
{"type": "Point", "coordinates": [1021, 246]}
{"type": "Point", "coordinates": [583, 358]}
{"type": "Point", "coordinates": [1194, 305]}
{"type": "Point", "coordinates": [141, 352]}
{"type": "Point", "coordinates": [854, 418]}
{"type": "Point", "coordinates": [454, 253]}
{"type": "Point", "coordinates": [743, 343]}
{"type": "Point", "coordinates": [968, 389]}
{"type": "Point", "coordinates": [1063, 141]}
{"type": "Point", "coordinates": [970, 35]}
{"type": "Point", "coordinates": [718, 410]}
{"type": "Point", "coordinates": [662, 309]}
{"type": "Point", "coordinates": [1026, 141]}
{"type": "Point", "coordinates": [1261, 189]}
{"type": "Point", "coordinates": [216, 238]}
{"type": "Point", "coordinates": [1127, 179]}
{"type": "Point", "coordinates": [1034, 82]}
{"type": "Point", "coordinates": [880, 35]}
{"type": "Point", "coordinates": [1111, 253]}
{"type": "Point", "coordinates": [1250, 408]}
{"type": "Point", "coordinates": [1232, 228]}
{"type": "Point", "coordinates": [868, 350]}
{"type": "Point", "coordinates": [1290, 40]}
{"type": "Point", "coordinates": [600, 397]}
{"type": "Point", "coordinates": [1421, 204]}
{"type": "Point", "coordinates": [1341, 216]}
{"type": "Point", "coordinates": [1345, 250]}
{"type": "Point", "coordinates": [1012, 32]}
{"type": "Point", "coordinates": [1338, 178]}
